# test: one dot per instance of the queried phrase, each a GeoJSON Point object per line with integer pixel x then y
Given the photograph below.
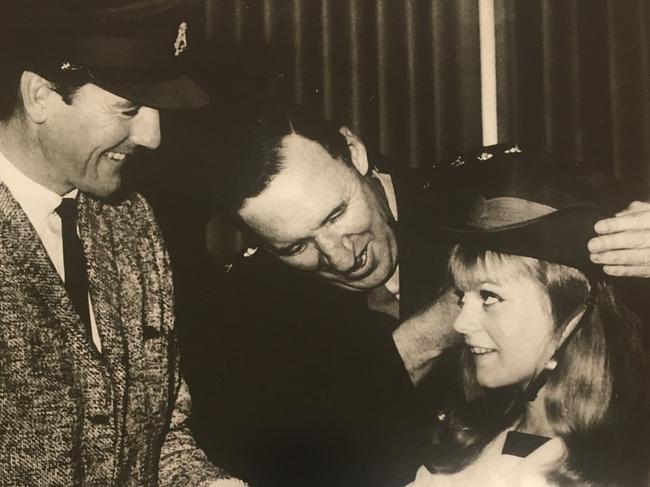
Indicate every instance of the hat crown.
{"type": "Point", "coordinates": [505, 210]}
{"type": "Point", "coordinates": [135, 49]}
{"type": "Point", "coordinates": [536, 205]}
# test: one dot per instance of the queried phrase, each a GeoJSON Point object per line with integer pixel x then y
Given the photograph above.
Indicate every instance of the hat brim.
{"type": "Point", "coordinates": [181, 93]}
{"type": "Point", "coordinates": [560, 237]}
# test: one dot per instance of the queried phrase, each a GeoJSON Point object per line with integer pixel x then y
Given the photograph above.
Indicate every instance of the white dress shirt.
{"type": "Point", "coordinates": [39, 204]}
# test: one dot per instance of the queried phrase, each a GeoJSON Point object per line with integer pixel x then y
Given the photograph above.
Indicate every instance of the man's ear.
{"type": "Point", "coordinates": [358, 152]}
{"type": "Point", "coordinates": [36, 93]}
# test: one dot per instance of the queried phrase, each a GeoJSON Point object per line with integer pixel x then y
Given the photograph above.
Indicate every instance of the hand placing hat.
{"type": "Point", "coordinates": [623, 242]}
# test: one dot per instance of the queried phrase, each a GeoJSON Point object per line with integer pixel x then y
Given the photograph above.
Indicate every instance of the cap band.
{"type": "Point", "coordinates": [135, 49]}
{"type": "Point", "coordinates": [128, 53]}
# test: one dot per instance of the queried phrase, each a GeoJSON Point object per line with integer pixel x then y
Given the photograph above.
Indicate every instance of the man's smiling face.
{"type": "Point", "coordinates": [321, 215]}
{"type": "Point", "coordinates": [87, 142]}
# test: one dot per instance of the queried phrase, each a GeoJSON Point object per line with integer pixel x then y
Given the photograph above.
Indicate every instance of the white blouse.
{"type": "Point", "coordinates": [495, 469]}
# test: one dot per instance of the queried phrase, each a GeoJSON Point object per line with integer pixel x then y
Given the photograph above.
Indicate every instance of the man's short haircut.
{"type": "Point", "coordinates": [10, 75]}
{"type": "Point", "coordinates": [12, 67]}
{"type": "Point", "coordinates": [254, 155]}
{"type": "Point", "coordinates": [20, 52]}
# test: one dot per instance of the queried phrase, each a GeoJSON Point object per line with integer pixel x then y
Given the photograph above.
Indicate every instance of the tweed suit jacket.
{"type": "Point", "coordinates": [68, 414]}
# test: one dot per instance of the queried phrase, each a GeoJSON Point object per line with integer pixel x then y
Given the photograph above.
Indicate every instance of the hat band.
{"type": "Point", "coordinates": [127, 53]}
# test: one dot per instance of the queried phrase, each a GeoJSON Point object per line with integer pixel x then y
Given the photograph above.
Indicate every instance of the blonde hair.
{"type": "Point", "coordinates": [596, 393]}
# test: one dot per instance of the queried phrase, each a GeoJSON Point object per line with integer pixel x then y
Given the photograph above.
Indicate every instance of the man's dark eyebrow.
{"type": "Point", "coordinates": [341, 207]}
{"type": "Point", "coordinates": [338, 209]}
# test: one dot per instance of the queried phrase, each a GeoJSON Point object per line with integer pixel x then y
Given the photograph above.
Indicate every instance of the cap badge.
{"type": "Point", "coordinates": [250, 251]}
{"type": "Point", "coordinates": [181, 39]}
{"type": "Point", "coordinates": [513, 150]}
{"type": "Point", "coordinates": [66, 66]}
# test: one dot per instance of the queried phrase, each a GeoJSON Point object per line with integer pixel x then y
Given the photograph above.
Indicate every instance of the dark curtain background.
{"type": "Point", "coordinates": [403, 74]}
{"type": "Point", "coordinates": [572, 76]}
{"type": "Point", "coordinates": [574, 79]}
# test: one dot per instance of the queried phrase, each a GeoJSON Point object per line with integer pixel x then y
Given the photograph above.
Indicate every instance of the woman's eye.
{"type": "Point", "coordinates": [460, 297]}
{"type": "Point", "coordinates": [131, 113]}
{"type": "Point", "coordinates": [489, 298]}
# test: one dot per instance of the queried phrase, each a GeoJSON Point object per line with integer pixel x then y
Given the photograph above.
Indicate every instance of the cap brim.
{"type": "Point", "coordinates": [180, 93]}
{"type": "Point", "coordinates": [560, 237]}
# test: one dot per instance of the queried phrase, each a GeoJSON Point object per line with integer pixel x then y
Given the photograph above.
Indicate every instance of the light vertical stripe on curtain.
{"type": "Point", "coordinates": [488, 72]}
{"type": "Point", "coordinates": [403, 74]}
{"type": "Point", "coordinates": [326, 26]}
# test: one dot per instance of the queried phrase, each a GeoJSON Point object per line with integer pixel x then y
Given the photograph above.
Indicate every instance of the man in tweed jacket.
{"type": "Point", "coordinates": [96, 401]}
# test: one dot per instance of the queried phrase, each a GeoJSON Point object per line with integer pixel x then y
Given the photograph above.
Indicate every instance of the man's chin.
{"type": "Point", "coordinates": [368, 283]}
{"type": "Point", "coordinates": [109, 190]}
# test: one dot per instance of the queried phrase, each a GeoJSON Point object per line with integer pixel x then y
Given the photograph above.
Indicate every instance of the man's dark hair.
{"type": "Point", "coordinates": [254, 154]}
{"type": "Point", "coordinates": [10, 75]}
{"type": "Point", "coordinates": [12, 67]}
{"type": "Point", "coordinates": [20, 52]}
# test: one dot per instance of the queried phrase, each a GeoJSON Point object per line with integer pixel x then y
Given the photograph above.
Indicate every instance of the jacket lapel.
{"type": "Point", "coordinates": [22, 251]}
{"type": "Point", "coordinates": [100, 249]}
{"type": "Point", "coordinates": [103, 280]}
{"type": "Point", "coordinates": [421, 258]}
{"type": "Point", "coordinates": [426, 199]}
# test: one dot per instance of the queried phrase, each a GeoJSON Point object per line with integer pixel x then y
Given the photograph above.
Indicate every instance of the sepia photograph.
{"type": "Point", "coordinates": [325, 243]}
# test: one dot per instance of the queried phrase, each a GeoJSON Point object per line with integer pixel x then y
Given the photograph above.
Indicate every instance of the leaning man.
{"type": "Point", "coordinates": [90, 391]}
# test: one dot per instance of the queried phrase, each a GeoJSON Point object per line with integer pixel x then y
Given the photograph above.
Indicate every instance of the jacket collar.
{"type": "Point", "coordinates": [22, 252]}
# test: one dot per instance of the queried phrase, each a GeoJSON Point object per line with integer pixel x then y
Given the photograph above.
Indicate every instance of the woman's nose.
{"type": "Point", "coordinates": [468, 320]}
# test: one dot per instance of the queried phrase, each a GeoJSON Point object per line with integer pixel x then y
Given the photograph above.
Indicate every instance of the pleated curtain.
{"type": "Point", "coordinates": [572, 76]}
{"type": "Point", "coordinates": [574, 79]}
{"type": "Point", "coordinates": [402, 74]}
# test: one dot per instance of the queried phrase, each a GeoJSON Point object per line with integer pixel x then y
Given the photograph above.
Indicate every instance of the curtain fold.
{"type": "Point", "coordinates": [574, 80]}
{"type": "Point", "coordinates": [572, 75]}
{"type": "Point", "coordinates": [404, 75]}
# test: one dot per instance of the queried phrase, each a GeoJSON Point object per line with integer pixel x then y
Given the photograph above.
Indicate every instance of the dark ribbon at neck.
{"type": "Point", "coordinates": [521, 444]}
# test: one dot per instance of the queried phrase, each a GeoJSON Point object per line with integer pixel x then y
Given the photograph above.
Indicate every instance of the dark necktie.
{"type": "Point", "coordinates": [74, 261]}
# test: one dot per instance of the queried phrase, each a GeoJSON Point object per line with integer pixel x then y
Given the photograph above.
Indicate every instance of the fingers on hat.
{"type": "Point", "coordinates": [620, 241]}
{"type": "Point", "coordinates": [635, 207]}
{"type": "Point", "coordinates": [624, 257]}
{"type": "Point", "coordinates": [642, 271]}
{"type": "Point", "coordinates": [632, 221]}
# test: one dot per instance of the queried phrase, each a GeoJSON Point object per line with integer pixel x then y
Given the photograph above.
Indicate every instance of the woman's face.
{"type": "Point", "coordinates": [508, 328]}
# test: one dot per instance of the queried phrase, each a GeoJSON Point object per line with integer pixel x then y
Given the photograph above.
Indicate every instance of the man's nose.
{"type": "Point", "coordinates": [337, 251]}
{"type": "Point", "coordinates": [467, 321]}
{"type": "Point", "coordinates": [145, 130]}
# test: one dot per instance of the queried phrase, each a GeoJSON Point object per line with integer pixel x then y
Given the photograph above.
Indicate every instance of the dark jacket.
{"type": "Point", "coordinates": [300, 384]}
